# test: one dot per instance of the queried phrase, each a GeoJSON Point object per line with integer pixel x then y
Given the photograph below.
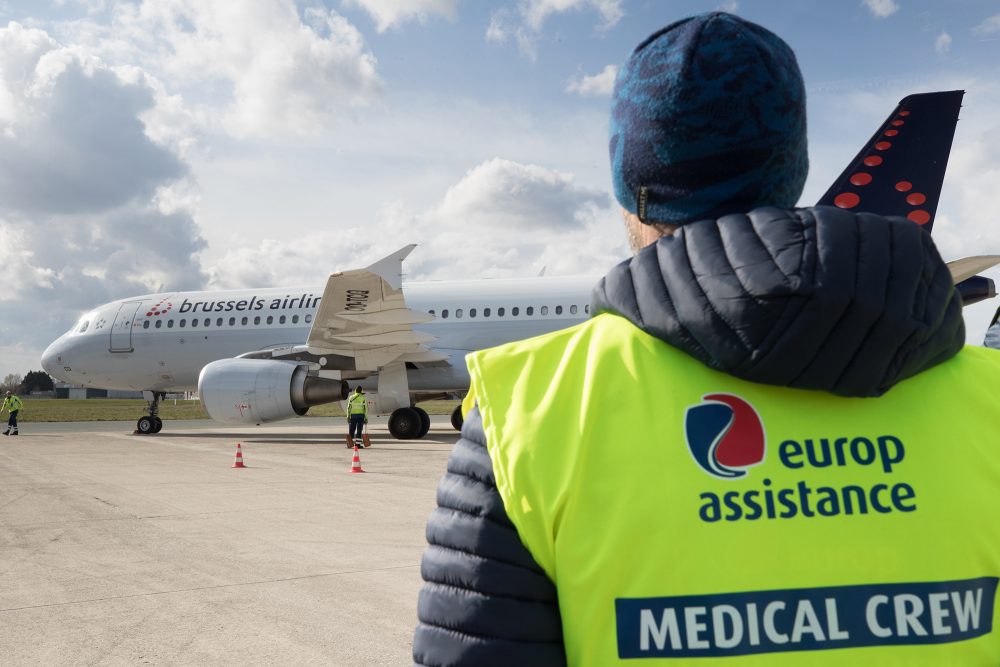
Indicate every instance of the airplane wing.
{"type": "Point", "coordinates": [363, 314]}
{"type": "Point", "coordinates": [965, 268]}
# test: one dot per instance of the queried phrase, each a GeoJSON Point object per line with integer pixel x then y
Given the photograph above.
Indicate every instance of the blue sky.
{"type": "Point", "coordinates": [212, 145]}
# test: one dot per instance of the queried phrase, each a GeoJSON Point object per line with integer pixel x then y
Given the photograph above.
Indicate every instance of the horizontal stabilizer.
{"type": "Point", "coordinates": [967, 267]}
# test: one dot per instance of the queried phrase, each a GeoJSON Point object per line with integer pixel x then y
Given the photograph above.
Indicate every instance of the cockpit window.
{"type": "Point", "coordinates": [84, 323]}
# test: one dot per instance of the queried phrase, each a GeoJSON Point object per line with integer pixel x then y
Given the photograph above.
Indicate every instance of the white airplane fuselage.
{"type": "Point", "coordinates": [160, 342]}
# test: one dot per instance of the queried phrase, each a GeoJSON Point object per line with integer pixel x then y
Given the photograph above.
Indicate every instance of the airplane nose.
{"type": "Point", "coordinates": [53, 359]}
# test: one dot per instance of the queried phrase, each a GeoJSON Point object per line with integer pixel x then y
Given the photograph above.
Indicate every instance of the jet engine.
{"type": "Point", "coordinates": [254, 391]}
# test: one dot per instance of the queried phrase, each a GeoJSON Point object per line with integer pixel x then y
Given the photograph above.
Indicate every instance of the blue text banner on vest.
{"type": "Point", "coordinates": [805, 619]}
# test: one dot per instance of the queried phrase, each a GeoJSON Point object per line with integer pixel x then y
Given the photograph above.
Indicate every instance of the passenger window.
{"type": "Point", "coordinates": [472, 312]}
{"type": "Point", "coordinates": [208, 321]}
{"type": "Point", "coordinates": [281, 320]}
{"type": "Point", "coordinates": [295, 319]}
{"type": "Point", "coordinates": [256, 320]}
{"type": "Point", "coordinates": [514, 311]}
{"type": "Point", "coordinates": [218, 322]}
{"type": "Point", "coordinates": [159, 323]}
{"type": "Point", "coordinates": [194, 322]}
{"type": "Point", "coordinates": [558, 310]}
{"type": "Point", "coordinates": [232, 321]}
{"type": "Point", "coordinates": [486, 312]}
{"type": "Point", "coordinates": [458, 312]}
{"type": "Point", "coordinates": [545, 310]}
{"type": "Point", "coordinates": [431, 311]}
{"type": "Point", "coordinates": [572, 310]}
{"type": "Point", "coordinates": [183, 322]}
{"type": "Point", "coordinates": [145, 324]}
{"type": "Point", "coordinates": [309, 318]}
{"type": "Point", "coordinates": [170, 324]}
{"type": "Point", "coordinates": [530, 310]}
{"type": "Point", "coordinates": [500, 312]}
{"type": "Point", "coordinates": [444, 314]}
{"type": "Point", "coordinates": [270, 319]}
{"type": "Point", "coordinates": [586, 308]}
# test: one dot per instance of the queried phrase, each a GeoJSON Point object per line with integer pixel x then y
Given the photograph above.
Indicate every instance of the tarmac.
{"type": "Point", "coordinates": [122, 549]}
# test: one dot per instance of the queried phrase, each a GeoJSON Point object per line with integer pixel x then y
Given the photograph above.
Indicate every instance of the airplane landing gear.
{"type": "Point", "coordinates": [151, 423]}
{"type": "Point", "coordinates": [408, 423]}
{"type": "Point", "coordinates": [457, 418]}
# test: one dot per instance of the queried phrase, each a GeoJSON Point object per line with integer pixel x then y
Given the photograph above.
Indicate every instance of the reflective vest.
{"type": "Point", "coordinates": [706, 516]}
{"type": "Point", "coordinates": [357, 405]}
{"type": "Point", "coordinates": [13, 403]}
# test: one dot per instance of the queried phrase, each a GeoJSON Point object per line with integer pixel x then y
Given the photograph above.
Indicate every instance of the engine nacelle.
{"type": "Point", "coordinates": [254, 391]}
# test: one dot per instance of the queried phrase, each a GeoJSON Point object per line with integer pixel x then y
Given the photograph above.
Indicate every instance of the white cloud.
{"type": "Point", "coordinates": [524, 24]}
{"type": "Point", "coordinates": [393, 13]}
{"type": "Point", "coordinates": [277, 72]}
{"type": "Point", "coordinates": [881, 8]}
{"type": "Point", "coordinates": [731, 6]}
{"type": "Point", "coordinates": [989, 26]}
{"type": "Point", "coordinates": [90, 206]}
{"type": "Point", "coordinates": [501, 219]}
{"type": "Point", "coordinates": [942, 44]}
{"type": "Point", "coordinates": [536, 11]}
{"type": "Point", "coordinates": [596, 85]}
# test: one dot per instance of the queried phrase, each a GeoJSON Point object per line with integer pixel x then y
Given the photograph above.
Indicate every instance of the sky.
{"type": "Point", "coordinates": [183, 144]}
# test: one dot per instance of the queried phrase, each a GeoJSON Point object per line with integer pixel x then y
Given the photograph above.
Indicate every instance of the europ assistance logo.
{"type": "Point", "coordinates": [724, 435]}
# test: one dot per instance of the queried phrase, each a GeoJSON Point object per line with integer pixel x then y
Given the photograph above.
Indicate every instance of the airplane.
{"type": "Point", "coordinates": [263, 355]}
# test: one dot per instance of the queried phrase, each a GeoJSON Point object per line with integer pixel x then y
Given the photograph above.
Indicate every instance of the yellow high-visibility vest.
{"type": "Point", "coordinates": [357, 405]}
{"type": "Point", "coordinates": [707, 517]}
{"type": "Point", "coordinates": [13, 403]}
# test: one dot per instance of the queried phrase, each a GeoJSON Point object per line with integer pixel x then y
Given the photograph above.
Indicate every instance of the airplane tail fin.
{"type": "Point", "coordinates": [901, 168]}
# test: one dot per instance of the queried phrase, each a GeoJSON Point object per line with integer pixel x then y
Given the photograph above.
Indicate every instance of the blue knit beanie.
{"type": "Point", "coordinates": [708, 118]}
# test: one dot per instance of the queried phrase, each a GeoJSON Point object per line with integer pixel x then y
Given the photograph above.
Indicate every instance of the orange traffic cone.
{"type": "Point", "coordinates": [239, 457]}
{"type": "Point", "coordinates": [356, 461]}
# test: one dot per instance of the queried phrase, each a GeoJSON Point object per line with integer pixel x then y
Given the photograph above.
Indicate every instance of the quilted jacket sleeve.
{"type": "Point", "coordinates": [485, 601]}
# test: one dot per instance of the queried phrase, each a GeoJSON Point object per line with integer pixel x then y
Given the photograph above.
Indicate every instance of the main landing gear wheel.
{"type": "Point", "coordinates": [146, 425]}
{"type": "Point", "coordinates": [405, 424]}
{"type": "Point", "coordinates": [425, 421]}
{"type": "Point", "coordinates": [157, 424]}
{"type": "Point", "coordinates": [456, 417]}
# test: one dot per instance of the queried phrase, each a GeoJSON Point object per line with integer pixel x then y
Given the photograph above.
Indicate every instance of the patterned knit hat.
{"type": "Point", "coordinates": [708, 118]}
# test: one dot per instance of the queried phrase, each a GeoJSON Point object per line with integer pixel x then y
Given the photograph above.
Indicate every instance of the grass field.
{"type": "Point", "coordinates": [113, 409]}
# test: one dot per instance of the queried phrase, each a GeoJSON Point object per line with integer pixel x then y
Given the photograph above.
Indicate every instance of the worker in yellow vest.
{"type": "Point", "coordinates": [12, 403]}
{"type": "Point", "coordinates": [357, 417]}
{"type": "Point", "coordinates": [801, 467]}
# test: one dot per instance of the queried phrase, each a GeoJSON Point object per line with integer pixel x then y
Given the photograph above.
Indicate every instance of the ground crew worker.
{"type": "Point", "coordinates": [357, 416]}
{"type": "Point", "coordinates": [12, 403]}
{"type": "Point", "coordinates": [809, 473]}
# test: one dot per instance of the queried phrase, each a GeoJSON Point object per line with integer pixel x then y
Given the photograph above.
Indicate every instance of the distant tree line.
{"type": "Point", "coordinates": [33, 381]}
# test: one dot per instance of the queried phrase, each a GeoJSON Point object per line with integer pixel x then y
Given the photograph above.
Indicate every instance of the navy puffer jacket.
{"type": "Point", "coordinates": [819, 298]}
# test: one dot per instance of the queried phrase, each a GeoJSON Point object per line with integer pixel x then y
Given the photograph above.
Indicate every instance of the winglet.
{"type": "Point", "coordinates": [390, 267]}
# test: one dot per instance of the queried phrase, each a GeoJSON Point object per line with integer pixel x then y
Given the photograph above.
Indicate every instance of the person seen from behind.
{"type": "Point", "coordinates": [357, 417]}
{"type": "Point", "coordinates": [808, 470]}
